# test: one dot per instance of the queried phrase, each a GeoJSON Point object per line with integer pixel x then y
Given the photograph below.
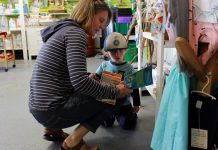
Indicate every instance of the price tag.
{"type": "Point", "coordinates": [199, 138]}
{"type": "Point", "coordinates": [199, 104]}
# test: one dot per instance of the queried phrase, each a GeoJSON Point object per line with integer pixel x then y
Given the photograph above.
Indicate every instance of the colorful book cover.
{"type": "Point", "coordinates": [110, 78]}
{"type": "Point", "coordinates": [139, 79]}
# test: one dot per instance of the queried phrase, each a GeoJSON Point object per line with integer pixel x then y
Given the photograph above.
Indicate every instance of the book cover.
{"type": "Point", "coordinates": [110, 78]}
{"type": "Point", "coordinates": [139, 79]}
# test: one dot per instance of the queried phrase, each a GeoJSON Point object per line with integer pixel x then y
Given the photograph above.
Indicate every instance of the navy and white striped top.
{"type": "Point", "coordinates": [61, 69]}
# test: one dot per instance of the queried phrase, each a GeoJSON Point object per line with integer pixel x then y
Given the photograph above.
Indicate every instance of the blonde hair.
{"type": "Point", "coordinates": [85, 10]}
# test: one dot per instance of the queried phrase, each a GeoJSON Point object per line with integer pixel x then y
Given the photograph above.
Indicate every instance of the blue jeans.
{"type": "Point", "coordinates": [80, 108]}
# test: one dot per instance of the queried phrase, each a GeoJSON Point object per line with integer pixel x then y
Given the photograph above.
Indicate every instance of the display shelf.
{"type": "Point", "coordinates": [20, 48]}
{"type": "Point", "coordinates": [131, 37]}
{"type": "Point", "coordinates": [20, 30]}
{"type": "Point", "coordinates": [15, 30]}
{"type": "Point", "coordinates": [158, 38]}
{"type": "Point", "coordinates": [59, 14]}
{"type": "Point", "coordinates": [12, 15]}
{"type": "Point", "coordinates": [152, 91]}
{"type": "Point", "coordinates": [154, 37]}
{"type": "Point", "coordinates": [135, 65]}
{"type": "Point", "coordinates": [21, 16]}
{"type": "Point", "coordinates": [45, 23]}
{"type": "Point", "coordinates": [150, 36]}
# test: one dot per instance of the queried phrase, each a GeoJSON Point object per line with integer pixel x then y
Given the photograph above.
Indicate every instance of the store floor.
{"type": "Point", "coordinates": [19, 130]}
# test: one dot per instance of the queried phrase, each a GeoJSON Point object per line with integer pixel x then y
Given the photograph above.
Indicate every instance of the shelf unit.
{"type": "Point", "coordinates": [21, 30]}
{"type": "Point", "coordinates": [161, 46]}
{"type": "Point", "coordinates": [6, 18]}
{"type": "Point", "coordinates": [15, 32]}
{"type": "Point", "coordinates": [158, 38]}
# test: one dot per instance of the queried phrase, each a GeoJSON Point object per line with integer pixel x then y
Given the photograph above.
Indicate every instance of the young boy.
{"type": "Point", "coordinates": [116, 46]}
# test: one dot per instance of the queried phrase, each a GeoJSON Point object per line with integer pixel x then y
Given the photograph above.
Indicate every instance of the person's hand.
{"type": "Point", "coordinates": [136, 109]}
{"type": "Point", "coordinates": [93, 76]}
{"type": "Point", "coordinates": [123, 90]}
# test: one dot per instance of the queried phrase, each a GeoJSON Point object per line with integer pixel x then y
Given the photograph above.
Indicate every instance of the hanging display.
{"type": "Point", "coordinates": [171, 127]}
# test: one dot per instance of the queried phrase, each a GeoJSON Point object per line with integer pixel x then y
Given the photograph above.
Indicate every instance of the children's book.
{"type": "Point", "coordinates": [136, 80]}
{"type": "Point", "coordinates": [139, 79]}
{"type": "Point", "coordinates": [110, 78]}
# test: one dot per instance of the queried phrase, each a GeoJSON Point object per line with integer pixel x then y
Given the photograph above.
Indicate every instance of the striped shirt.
{"type": "Point", "coordinates": [61, 69]}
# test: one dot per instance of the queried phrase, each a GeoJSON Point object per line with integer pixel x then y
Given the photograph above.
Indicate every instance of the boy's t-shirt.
{"type": "Point", "coordinates": [124, 69]}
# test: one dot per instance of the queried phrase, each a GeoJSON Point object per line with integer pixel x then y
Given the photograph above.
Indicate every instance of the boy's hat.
{"type": "Point", "coordinates": [115, 41]}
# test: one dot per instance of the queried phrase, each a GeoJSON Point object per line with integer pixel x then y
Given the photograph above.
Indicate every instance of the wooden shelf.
{"type": "Point", "coordinates": [59, 14]}
{"type": "Point", "coordinates": [14, 49]}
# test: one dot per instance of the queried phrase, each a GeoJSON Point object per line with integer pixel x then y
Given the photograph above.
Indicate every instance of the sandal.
{"type": "Point", "coordinates": [55, 136]}
{"type": "Point", "coordinates": [79, 146]}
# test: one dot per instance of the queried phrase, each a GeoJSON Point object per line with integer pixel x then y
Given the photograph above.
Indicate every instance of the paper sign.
{"type": "Point", "coordinates": [199, 138]}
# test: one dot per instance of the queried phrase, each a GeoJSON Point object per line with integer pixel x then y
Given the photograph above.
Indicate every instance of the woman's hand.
{"type": "Point", "coordinates": [123, 90]}
{"type": "Point", "coordinates": [93, 76]}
